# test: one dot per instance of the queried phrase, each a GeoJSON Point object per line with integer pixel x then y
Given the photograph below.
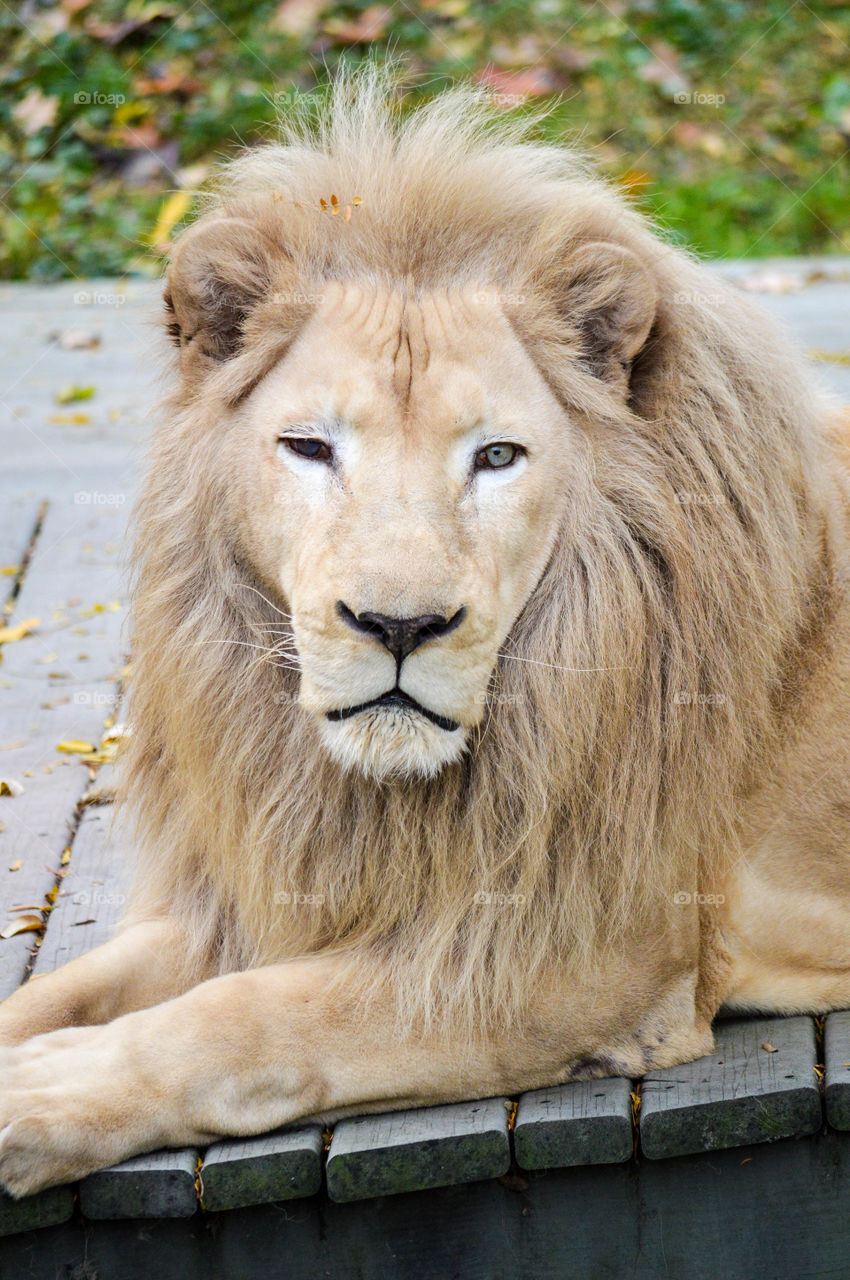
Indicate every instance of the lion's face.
{"type": "Point", "coordinates": [412, 464]}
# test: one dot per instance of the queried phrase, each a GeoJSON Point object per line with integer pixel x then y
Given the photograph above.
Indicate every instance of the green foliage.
{"type": "Point", "coordinates": [730, 122]}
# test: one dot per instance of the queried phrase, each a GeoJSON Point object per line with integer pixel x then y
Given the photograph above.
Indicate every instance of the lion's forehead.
{"type": "Point", "coordinates": [439, 356]}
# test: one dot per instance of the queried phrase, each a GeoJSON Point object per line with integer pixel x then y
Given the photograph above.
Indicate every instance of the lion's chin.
{"type": "Point", "coordinates": [390, 742]}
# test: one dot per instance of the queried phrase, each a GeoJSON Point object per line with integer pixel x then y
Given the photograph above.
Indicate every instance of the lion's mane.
{"type": "Point", "coordinates": [641, 691]}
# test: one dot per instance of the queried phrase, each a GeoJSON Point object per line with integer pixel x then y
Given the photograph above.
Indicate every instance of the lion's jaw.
{"type": "Point", "coordinates": [396, 519]}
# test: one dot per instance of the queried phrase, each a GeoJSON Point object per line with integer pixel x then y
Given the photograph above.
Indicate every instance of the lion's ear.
{"type": "Point", "coordinates": [609, 296]}
{"type": "Point", "coordinates": [220, 269]}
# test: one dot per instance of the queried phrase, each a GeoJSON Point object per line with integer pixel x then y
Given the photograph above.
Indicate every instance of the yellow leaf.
{"type": "Point", "coordinates": [16, 866]}
{"type": "Point", "coordinates": [172, 210]}
{"type": "Point", "coordinates": [72, 392]}
{"type": "Point", "coordinates": [21, 629]}
{"type": "Point", "coordinates": [69, 419]}
{"type": "Point", "coordinates": [23, 924]}
{"type": "Point", "coordinates": [8, 570]}
{"type": "Point", "coordinates": [66, 858]}
{"type": "Point", "coordinates": [9, 787]}
{"type": "Point", "coordinates": [75, 747]}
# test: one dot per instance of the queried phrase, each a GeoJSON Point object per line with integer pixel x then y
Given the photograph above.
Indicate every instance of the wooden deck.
{"type": "Point", "coordinates": [556, 1167]}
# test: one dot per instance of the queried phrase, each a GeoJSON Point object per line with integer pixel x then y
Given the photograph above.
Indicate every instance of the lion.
{"type": "Point", "coordinates": [491, 656]}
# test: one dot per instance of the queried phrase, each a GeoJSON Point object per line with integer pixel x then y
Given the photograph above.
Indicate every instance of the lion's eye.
{"type": "Point", "coordinates": [496, 456]}
{"type": "Point", "coordinates": [316, 450]}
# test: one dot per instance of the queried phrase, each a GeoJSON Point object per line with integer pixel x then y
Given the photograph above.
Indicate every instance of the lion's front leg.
{"type": "Point", "coordinates": [137, 968]}
{"type": "Point", "coordinates": [239, 1054]}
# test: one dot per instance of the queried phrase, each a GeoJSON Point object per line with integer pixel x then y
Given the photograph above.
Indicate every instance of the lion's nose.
{"type": "Point", "coordinates": [400, 635]}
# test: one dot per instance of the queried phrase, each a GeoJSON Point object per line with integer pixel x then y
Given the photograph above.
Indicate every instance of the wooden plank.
{"type": "Point", "coordinates": [837, 1069]}
{"type": "Point", "coordinates": [584, 1122]}
{"type": "Point", "coordinates": [411, 1150]}
{"type": "Point", "coordinates": [45, 1209]}
{"type": "Point", "coordinates": [90, 902]}
{"type": "Point", "coordinates": [283, 1165]}
{"type": "Point", "coordinates": [18, 521]}
{"type": "Point", "coordinates": [159, 1185]}
{"type": "Point", "coordinates": [56, 684]}
{"type": "Point", "coordinates": [740, 1094]}
{"type": "Point", "coordinates": [93, 892]}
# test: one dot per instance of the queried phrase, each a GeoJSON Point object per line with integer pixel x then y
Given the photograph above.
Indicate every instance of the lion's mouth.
{"type": "Point", "coordinates": [396, 698]}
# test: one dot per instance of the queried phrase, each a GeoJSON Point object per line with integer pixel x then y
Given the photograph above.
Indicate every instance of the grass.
{"type": "Point", "coordinates": [730, 122]}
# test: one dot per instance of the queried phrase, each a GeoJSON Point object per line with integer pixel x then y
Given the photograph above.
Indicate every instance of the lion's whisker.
{"type": "Point", "coordinates": [556, 666]}
{"type": "Point", "coordinates": [269, 602]}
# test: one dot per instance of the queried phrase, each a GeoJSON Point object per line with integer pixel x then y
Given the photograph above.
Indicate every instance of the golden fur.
{"type": "Point", "coordinates": [622, 799]}
{"type": "Point", "coordinates": [691, 567]}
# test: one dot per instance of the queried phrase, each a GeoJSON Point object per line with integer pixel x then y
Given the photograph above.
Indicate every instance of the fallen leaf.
{"type": "Point", "coordinates": [72, 392]}
{"type": "Point", "coordinates": [768, 1048]}
{"type": "Point", "coordinates": [75, 747]}
{"type": "Point", "coordinates": [76, 339]}
{"type": "Point", "coordinates": [35, 111]}
{"type": "Point", "coordinates": [367, 26]}
{"type": "Point", "coordinates": [66, 858]}
{"type": "Point", "coordinates": [20, 629]}
{"type": "Point", "coordinates": [23, 924]}
{"type": "Point", "coordinates": [9, 787]}
{"type": "Point", "coordinates": [172, 210]}
{"type": "Point", "coordinates": [830, 357]}
{"type": "Point", "coordinates": [663, 70]}
{"type": "Point", "coordinates": [115, 32]}
{"type": "Point", "coordinates": [9, 570]}
{"type": "Point", "coordinates": [510, 87]}
{"type": "Point", "coordinates": [295, 17]}
{"type": "Point", "coordinates": [172, 81]}
{"type": "Point", "coordinates": [69, 419]}
{"type": "Point", "coordinates": [770, 281]}
{"type": "Point", "coordinates": [16, 866]}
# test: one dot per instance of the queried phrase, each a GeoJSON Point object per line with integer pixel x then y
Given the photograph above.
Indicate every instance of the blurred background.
{"type": "Point", "coordinates": [729, 121]}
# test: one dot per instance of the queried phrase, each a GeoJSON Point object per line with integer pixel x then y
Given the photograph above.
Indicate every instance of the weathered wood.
{"type": "Point", "coordinates": [93, 892]}
{"type": "Point", "coordinates": [585, 1122]}
{"type": "Point", "coordinates": [18, 520]}
{"type": "Point", "coordinates": [42, 1210]}
{"type": "Point", "coordinates": [91, 900]}
{"type": "Point", "coordinates": [283, 1165]}
{"type": "Point", "coordinates": [754, 1213]}
{"type": "Point", "coordinates": [740, 1094]}
{"type": "Point", "coordinates": [410, 1150]}
{"type": "Point", "coordinates": [837, 1069]}
{"type": "Point", "coordinates": [159, 1185]}
{"type": "Point", "coordinates": [56, 684]}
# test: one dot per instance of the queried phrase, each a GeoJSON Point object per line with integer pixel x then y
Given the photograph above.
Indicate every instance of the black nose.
{"type": "Point", "coordinates": [400, 635]}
